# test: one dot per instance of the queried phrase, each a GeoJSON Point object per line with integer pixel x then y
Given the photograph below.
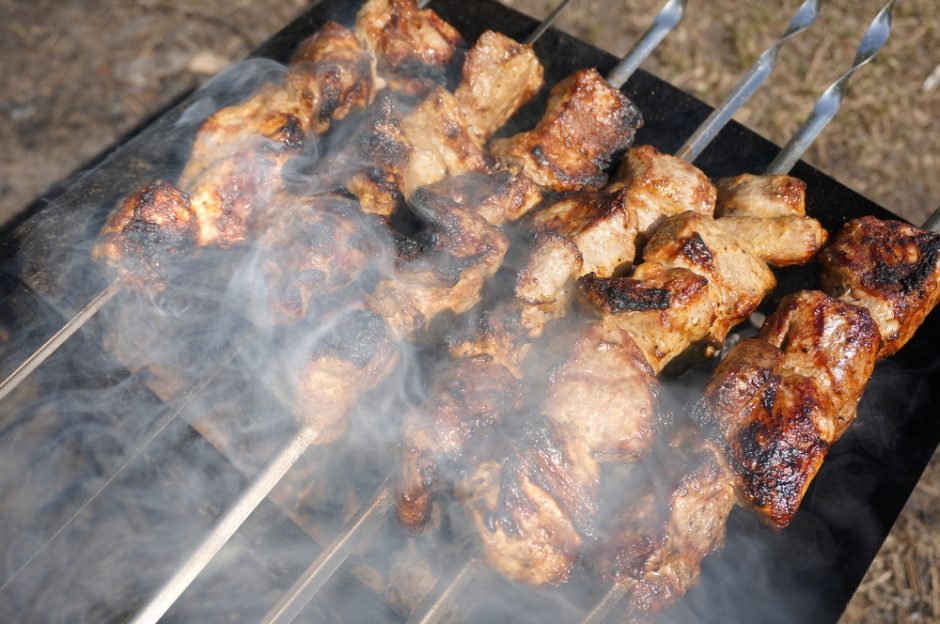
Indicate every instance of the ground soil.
{"type": "Point", "coordinates": [76, 76]}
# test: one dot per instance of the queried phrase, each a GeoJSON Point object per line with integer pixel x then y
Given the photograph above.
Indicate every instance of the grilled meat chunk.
{"type": "Point", "coordinates": [461, 251]}
{"type": "Point", "coordinates": [778, 402]}
{"type": "Point", "coordinates": [605, 394]}
{"type": "Point", "coordinates": [462, 401]}
{"type": "Point", "coordinates": [769, 214]}
{"type": "Point", "coordinates": [498, 197]}
{"type": "Point", "coordinates": [660, 185]}
{"type": "Point", "coordinates": [586, 122]}
{"type": "Point", "coordinates": [890, 268]}
{"type": "Point", "coordinates": [674, 516]}
{"type": "Point", "coordinates": [500, 75]}
{"type": "Point", "coordinates": [529, 500]}
{"type": "Point", "coordinates": [314, 247]}
{"type": "Point", "coordinates": [351, 357]}
{"type": "Point", "coordinates": [767, 196]}
{"type": "Point", "coordinates": [145, 232]}
{"type": "Point", "coordinates": [413, 46]}
{"type": "Point", "coordinates": [574, 234]}
{"type": "Point", "coordinates": [664, 310]}
{"type": "Point", "coordinates": [334, 69]}
{"type": "Point", "coordinates": [737, 279]}
{"type": "Point", "coordinates": [438, 129]}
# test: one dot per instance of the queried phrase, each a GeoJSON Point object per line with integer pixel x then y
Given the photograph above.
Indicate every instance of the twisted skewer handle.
{"type": "Point", "coordinates": [669, 15]}
{"type": "Point", "coordinates": [750, 83]}
{"type": "Point", "coordinates": [829, 102]}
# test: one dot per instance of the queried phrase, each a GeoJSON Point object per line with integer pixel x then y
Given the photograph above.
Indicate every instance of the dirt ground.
{"type": "Point", "coordinates": [76, 76]}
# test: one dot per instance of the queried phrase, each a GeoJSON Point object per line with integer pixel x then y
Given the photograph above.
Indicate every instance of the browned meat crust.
{"type": "Point", "coordinates": [586, 122]}
{"type": "Point", "coordinates": [143, 235]}
{"type": "Point", "coordinates": [500, 75]}
{"type": "Point", "coordinates": [413, 46]}
{"type": "Point", "coordinates": [891, 268]}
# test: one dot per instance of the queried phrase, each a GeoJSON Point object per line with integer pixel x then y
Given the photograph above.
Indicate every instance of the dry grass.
{"type": "Point", "coordinates": [75, 76]}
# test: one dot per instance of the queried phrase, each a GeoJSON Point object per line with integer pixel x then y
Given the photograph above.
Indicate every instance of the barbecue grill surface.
{"type": "Point", "coordinates": [812, 567]}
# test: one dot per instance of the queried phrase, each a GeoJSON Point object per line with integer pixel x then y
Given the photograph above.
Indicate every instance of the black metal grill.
{"type": "Point", "coordinates": [46, 276]}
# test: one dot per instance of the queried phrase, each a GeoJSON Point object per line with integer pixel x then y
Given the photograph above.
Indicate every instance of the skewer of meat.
{"type": "Point", "coordinates": [774, 407]}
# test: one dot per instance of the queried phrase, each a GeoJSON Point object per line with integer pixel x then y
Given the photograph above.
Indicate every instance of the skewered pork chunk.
{"type": "Point", "coordinates": [585, 123]}
{"type": "Point", "coordinates": [890, 268]}
{"type": "Point", "coordinates": [312, 248]}
{"type": "Point", "coordinates": [413, 46]}
{"type": "Point", "coordinates": [443, 144]}
{"type": "Point", "coordinates": [578, 233]}
{"type": "Point", "coordinates": [779, 401]}
{"type": "Point", "coordinates": [352, 352]}
{"type": "Point", "coordinates": [769, 214]}
{"type": "Point", "coordinates": [499, 76]}
{"type": "Point", "coordinates": [738, 279]}
{"type": "Point", "coordinates": [661, 185]}
{"type": "Point", "coordinates": [498, 197]}
{"type": "Point", "coordinates": [145, 232]}
{"type": "Point", "coordinates": [672, 519]}
{"type": "Point", "coordinates": [529, 499]}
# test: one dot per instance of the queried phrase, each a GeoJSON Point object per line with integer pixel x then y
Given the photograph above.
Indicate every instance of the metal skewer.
{"type": "Point", "coordinates": [668, 17]}
{"type": "Point", "coordinates": [319, 572]}
{"type": "Point", "coordinates": [57, 339]}
{"type": "Point", "coordinates": [171, 415]}
{"type": "Point", "coordinates": [829, 102]}
{"type": "Point", "coordinates": [436, 604]}
{"type": "Point", "coordinates": [823, 112]}
{"type": "Point", "coordinates": [224, 528]}
{"type": "Point", "coordinates": [804, 17]}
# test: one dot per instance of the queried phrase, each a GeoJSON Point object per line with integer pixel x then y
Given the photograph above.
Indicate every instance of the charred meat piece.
{"type": "Point", "coordinates": [605, 394]}
{"type": "Point", "coordinates": [737, 279]}
{"type": "Point", "coordinates": [498, 197]}
{"type": "Point", "coordinates": [778, 402]}
{"type": "Point", "coordinates": [438, 129]}
{"type": "Point", "coordinates": [586, 122]}
{"type": "Point", "coordinates": [674, 517]}
{"type": "Point", "coordinates": [664, 310]}
{"type": "Point", "coordinates": [769, 214]}
{"type": "Point", "coordinates": [890, 268]}
{"type": "Point", "coordinates": [372, 164]}
{"type": "Point", "coordinates": [462, 401]}
{"type": "Point", "coordinates": [500, 76]}
{"type": "Point", "coordinates": [660, 185]}
{"type": "Point", "coordinates": [413, 46]}
{"type": "Point", "coordinates": [529, 500]}
{"type": "Point", "coordinates": [146, 231]}
{"type": "Point", "coordinates": [461, 251]}
{"type": "Point", "coordinates": [314, 247]}
{"type": "Point", "coordinates": [347, 355]}
{"type": "Point", "coordinates": [574, 234]}
{"type": "Point", "coordinates": [336, 72]}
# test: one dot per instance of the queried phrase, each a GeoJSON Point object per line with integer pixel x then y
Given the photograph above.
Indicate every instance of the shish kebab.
{"type": "Point", "coordinates": [701, 277]}
{"type": "Point", "coordinates": [806, 369]}
{"type": "Point", "coordinates": [332, 75]}
{"type": "Point", "coordinates": [347, 371]}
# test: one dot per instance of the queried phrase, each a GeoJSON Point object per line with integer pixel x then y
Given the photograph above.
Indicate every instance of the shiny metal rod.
{"type": "Point", "coordinates": [436, 604]}
{"type": "Point", "coordinates": [225, 527]}
{"type": "Point", "coordinates": [829, 102]}
{"type": "Point", "coordinates": [668, 17]}
{"type": "Point", "coordinates": [804, 17]}
{"type": "Point", "coordinates": [57, 339]}
{"type": "Point", "coordinates": [933, 221]}
{"type": "Point", "coordinates": [547, 22]}
{"type": "Point", "coordinates": [321, 570]}
{"type": "Point", "coordinates": [158, 428]}
{"type": "Point", "coordinates": [605, 606]}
